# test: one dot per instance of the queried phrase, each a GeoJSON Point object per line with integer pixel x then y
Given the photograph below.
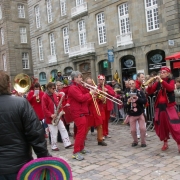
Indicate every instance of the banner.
{"type": "Point", "coordinates": [110, 55]}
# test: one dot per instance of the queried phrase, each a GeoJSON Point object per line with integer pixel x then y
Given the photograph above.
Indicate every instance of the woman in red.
{"type": "Point", "coordinates": [166, 120]}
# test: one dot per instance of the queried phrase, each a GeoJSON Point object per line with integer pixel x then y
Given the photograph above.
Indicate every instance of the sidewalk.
{"type": "Point", "coordinates": [119, 160]}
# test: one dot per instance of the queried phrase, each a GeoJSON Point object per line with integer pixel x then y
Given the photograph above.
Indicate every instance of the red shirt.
{"type": "Point", "coordinates": [48, 106]}
{"type": "Point", "coordinates": [37, 106]}
{"type": "Point", "coordinates": [78, 97]}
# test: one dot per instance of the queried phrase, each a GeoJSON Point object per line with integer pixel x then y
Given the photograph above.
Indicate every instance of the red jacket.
{"type": "Point", "coordinates": [138, 84]}
{"type": "Point", "coordinates": [37, 106]}
{"type": "Point", "coordinates": [48, 106]}
{"type": "Point", "coordinates": [109, 103]}
{"type": "Point", "coordinates": [78, 96]}
{"type": "Point", "coordinates": [169, 86]}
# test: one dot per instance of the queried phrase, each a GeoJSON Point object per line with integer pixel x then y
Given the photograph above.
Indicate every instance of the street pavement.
{"type": "Point", "coordinates": [119, 160]}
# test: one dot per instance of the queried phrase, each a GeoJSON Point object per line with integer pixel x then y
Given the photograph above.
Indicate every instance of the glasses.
{"type": "Point", "coordinates": [53, 88]}
{"type": "Point", "coordinates": [101, 79]}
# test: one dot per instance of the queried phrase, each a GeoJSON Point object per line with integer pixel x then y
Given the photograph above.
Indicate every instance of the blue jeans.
{"type": "Point", "coordinates": [8, 177]}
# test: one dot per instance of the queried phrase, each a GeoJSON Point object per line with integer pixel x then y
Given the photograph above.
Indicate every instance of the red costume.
{"type": "Point", "coordinates": [37, 106]}
{"type": "Point", "coordinates": [166, 118]}
{"type": "Point", "coordinates": [48, 102]}
{"type": "Point", "coordinates": [138, 84]}
{"type": "Point", "coordinates": [78, 97]}
{"type": "Point", "coordinates": [108, 106]}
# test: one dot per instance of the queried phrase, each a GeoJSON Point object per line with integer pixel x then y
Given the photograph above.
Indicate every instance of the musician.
{"type": "Point", "coordinates": [107, 104]}
{"type": "Point", "coordinates": [135, 110]}
{"type": "Point", "coordinates": [21, 132]}
{"type": "Point", "coordinates": [49, 106]}
{"type": "Point", "coordinates": [95, 118]}
{"type": "Point", "coordinates": [139, 81]}
{"type": "Point", "coordinates": [166, 119]}
{"type": "Point", "coordinates": [35, 99]}
{"type": "Point", "coordinates": [78, 96]}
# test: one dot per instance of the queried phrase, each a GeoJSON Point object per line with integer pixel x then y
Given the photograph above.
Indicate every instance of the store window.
{"type": "Point", "coordinates": [105, 69]}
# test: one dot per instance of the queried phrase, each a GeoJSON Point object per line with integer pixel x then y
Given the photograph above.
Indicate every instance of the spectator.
{"type": "Point", "coordinates": [59, 77]}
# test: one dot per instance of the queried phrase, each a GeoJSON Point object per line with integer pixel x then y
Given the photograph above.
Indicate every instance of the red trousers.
{"type": "Point", "coordinates": [106, 122]}
{"type": "Point", "coordinates": [81, 125]}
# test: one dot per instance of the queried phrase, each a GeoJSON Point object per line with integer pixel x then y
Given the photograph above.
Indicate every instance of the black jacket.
{"type": "Point", "coordinates": [140, 103]}
{"type": "Point", "coordinates": [20, 130]}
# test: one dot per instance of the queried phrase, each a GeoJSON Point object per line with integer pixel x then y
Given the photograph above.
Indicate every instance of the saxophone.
{"type": "Point", "coordinates": [55, 120]}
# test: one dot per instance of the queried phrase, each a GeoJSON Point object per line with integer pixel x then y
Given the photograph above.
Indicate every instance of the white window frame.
{"type": "Point", "coordinates": [79, 2]}
{"type": "Point", "coordinates": [2, 36]}
{"type": "Point", "coordinates": [21, 11]}
{"type": "Point", "coordinates": [52, 44]}
{"type": "Point", "coordinates": [101, 28]}
{"type": "Point", "coordinates": [4, 62]}
{"type": "Point", "coordinates": [23, 35]}
{"type": "Point", "coordinates": [49, 10]}
{"type": "Point", "coordinates": [151, 6]}
{"type": "Point", "coordinates": [66, 39]}
{"type": "Point", "coordinates": [124, 24]}
{"type": "Point", "coordinates": [82, 32]}
{"type": "Point", "coordinates": [25, 60]}
{"type": "Point", "coordinates": [38, 16]}
{"type": "Point", "coordinates": [40, 48]}
{"type": "Point", "coordinates": [0, 11]}
{"type": "Point", "coordinates": [63, 7]}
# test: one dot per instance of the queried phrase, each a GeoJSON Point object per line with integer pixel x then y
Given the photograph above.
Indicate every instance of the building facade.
{"type": "Point", "coordinates": [71, 35]}
{"type": "Point", "coordinates": [15, 46]}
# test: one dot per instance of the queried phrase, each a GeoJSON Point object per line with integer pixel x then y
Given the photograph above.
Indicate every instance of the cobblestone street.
{"type": "Point", "coordinates": [119, 160]}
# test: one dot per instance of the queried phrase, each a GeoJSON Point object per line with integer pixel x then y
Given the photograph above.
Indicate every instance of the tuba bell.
{"type": "Point", "coordinates": [22, 83]}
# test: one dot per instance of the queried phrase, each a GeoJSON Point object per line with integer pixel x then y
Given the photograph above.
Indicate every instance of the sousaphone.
{"type": "Point", "coordinates": [22, 83]}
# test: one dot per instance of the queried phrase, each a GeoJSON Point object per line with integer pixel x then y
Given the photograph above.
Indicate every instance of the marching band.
{"type": "Point", "coordinates": [90, 105]}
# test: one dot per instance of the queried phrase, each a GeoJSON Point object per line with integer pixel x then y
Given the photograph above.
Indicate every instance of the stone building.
{"type": "Point", "coordinates": [15, 46]}
{"type": "Point", "coordinates": [71, 35]}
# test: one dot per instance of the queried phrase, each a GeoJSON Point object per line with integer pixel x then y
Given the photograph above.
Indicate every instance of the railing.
{"type": "Point", "coordinates": [79, 9]}
{"type": "Point", "coordinates": [124, 39]}
{"type": "Point", "coordinates": [81, 49]}
{"type": "Point", "coordinates": [52, 59]}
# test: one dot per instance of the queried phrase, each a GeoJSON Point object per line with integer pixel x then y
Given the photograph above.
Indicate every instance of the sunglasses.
{"type": "Point", "coordinates": [53, 88]}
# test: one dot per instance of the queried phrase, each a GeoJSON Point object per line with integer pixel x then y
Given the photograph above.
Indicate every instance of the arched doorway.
{"type": "Point", "coordinates": [105, 69]}
{"type": "Point", "coordinates": [42, 78]}
{"type": "Point", "coordinates": [128, 67]}
{"type": "Point", "coordinates": [85, 69]}
{"type": "Point", "coordinates": [54, 74]}
{"type": "Point", "coordinates": [156, 59]}
{"type": "Point", "coordinates": [68, 71]}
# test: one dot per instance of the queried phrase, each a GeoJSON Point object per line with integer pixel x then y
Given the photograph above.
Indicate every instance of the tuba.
{"type": "Point", "coordinates": [22, 83]}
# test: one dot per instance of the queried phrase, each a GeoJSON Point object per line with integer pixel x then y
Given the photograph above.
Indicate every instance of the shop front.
{"type": "Point", "coordinates": [105, 69]}
{"type": "Point", "coordinates": [128, 67]}
{"type": "Point", "coordinates": [156, 59]}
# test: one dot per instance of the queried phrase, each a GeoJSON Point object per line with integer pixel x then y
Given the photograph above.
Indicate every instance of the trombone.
{"type": "Point", "coordinates": [102, 93]}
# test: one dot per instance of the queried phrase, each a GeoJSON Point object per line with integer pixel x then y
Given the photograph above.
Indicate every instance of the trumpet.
{"type": "Point", "coordinates": [102, 93]}
{"type": "Point", "coordinates": [148, 82]}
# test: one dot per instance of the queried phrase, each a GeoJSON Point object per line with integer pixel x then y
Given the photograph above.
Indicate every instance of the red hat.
{"type": "Point", "coordinates": [165, 69]}
{"type": "Point", "coordinates": [101, 77]}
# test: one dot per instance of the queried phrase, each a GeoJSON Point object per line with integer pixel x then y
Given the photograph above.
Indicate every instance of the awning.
{"type": "Point", "coordinates": [176, 65]}
{"type": "Point", "coordinates": [175, 56]}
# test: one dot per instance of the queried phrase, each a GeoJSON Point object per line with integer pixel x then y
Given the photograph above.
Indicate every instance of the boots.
{"type": "Point", "coordinates": [165, 146]}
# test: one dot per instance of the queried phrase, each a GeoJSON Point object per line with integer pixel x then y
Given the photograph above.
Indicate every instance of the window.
{"type": "Point", "coordinates": [124, 19]}
{"type": "Point", "coordinates": [4, 62]}
{"type": "Point", "coordinates": [152, 19]}
{"type": "Point", "coordinates": [63, 7]}
{"type": "Point", "coordinates": [66, 40]}
{"type": "Point", "coordinates": [21, 12]}
{"type": "Point", "coordinates": [49, 11]}
{"type": "Point", "coordinates": [25, 60]}
{"type": "Point", "coordinates": [2, 36]}
{"type": "Point", "coordinates": [101, 28]}
{"type": "Point", "coordinates": [42, 76]}
{"type": "Point", "coordinates": [40, 47]}
{"type": "Point", "coordinates": [23, 35]}
{"type": "Point", "coordinates": [82, 32]}
{"type": "Point", "coordinates": [38, 17]}
{"type": "Point", "coordinates": [79, 2]}
{"type": "Point", "coordinates": [0, 12]}
{"type": "Point", "coordinates": [52, 44]}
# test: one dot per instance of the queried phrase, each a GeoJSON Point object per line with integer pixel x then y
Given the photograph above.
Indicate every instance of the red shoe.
{"type": "Point", "coordinates": [165, 147]}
